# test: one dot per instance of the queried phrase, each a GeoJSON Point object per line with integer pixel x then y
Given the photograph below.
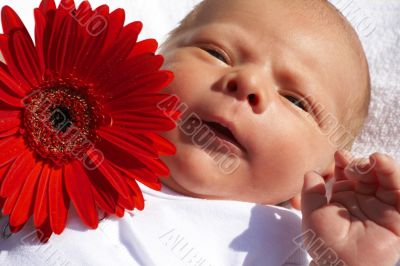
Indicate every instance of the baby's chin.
{"type": "Point", "coordinates": [194, 180]}
{"type": "Point", "coordinates": [201, 187]}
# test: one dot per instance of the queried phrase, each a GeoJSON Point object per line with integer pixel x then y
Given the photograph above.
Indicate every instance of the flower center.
{"type": "Point", "coordinates": [60, 120]}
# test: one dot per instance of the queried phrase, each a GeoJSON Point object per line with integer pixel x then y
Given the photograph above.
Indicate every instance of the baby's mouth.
{"type": "Point", "coordinates": [223, 133]}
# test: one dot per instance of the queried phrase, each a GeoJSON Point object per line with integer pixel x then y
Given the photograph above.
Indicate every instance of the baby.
{"type": "Point", "coordinates": [272, 92]}
{"type": "Point", "coordinates": [273, 80]}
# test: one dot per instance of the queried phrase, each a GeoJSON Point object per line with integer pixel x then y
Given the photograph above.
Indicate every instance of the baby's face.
{"type": "Point", "coordinates": [244, 64]}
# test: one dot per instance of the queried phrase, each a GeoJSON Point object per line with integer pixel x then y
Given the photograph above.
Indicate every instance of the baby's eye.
{"type": "Point", "coordinates": [217, 55]}
{"type": "Point", "coordinates": [299, 103]}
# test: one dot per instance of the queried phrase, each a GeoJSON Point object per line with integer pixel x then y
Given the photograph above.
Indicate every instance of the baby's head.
{"type": "Point", "coordinates": [288, 78]}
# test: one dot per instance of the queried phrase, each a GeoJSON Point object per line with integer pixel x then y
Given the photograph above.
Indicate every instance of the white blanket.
{"type": "Point", "coordinates": [172, 230]}
{"type": "Point", "coordinates": [378, 24]}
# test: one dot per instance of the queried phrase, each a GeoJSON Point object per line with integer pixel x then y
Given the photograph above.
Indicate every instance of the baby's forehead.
{"type": "Point", "coordinates": [317, 16]}
{"type": "Point", "coordinates": [312, 9]}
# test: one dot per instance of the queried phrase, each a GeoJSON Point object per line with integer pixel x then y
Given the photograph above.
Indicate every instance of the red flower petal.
{"type": "Point", "coordinates": [120, 212]}
{"type": "Point", "coordinates": [10, 100]}
{"type": "Point", "coordinates": [40, 26]}
{"type": "Point", "coordinates": [150, 83]}
{"type": "Point", "coordinates": [116, 23]}
{"type": "Point", "coordinates": [3, 172]}
{"type": "Point", "coordinates": [139, 66]}
{"type": "Point", "coordinates": [54, 38]}
{"type": "Point", "coordinates": [10, 202]}
{"type": "Point", "coordinates": [9, 120]}
{"type": "Point", "coordinates": [11, 21]}
{"type": "Point", "coordinates": [131, 143]}
{"type": "Point", "coordinates": [66, 6]}
{"type": "Point", "coordinates": [47, 5]}
{"type": "Point", "coordinates": [11, 148]}
{"type": "Point", "coordinates": [2, 201]}
{"type": "Point", "coordinates": [84, 13]}
{"type": "Point", "coordinates": [104, 193]}
{"type": "Point", "coordinates": [12, 63]}
{"type": "Point", "coordinates": [143, 47]}
{"type": "Point", "coordinates": [41, 201]}
{"type": "Point", "coordinates": [79, 190]}
{"type": "Point", "coordinates": [58, 201]}
{"type": "Point", "coordinates": [139, 200]}
{"type": "Point", "coordinates": [25, 54]}
{"type": "Point", "coordinates": [10, 83]}
{"type": "Point", "coordinates": [143, 175]}
{"type": "Point", "coordinates": [43, 32]}
{"type": "Point", "coordinates": [15, 229]}
{"type": "Point", "coordinates": [117, 158]}
{"type": "Point", "coordinates": [148, 179]}
{"type": "Point", "coordinates": [65, 39]}
{"type": "Point", "coordinates": [116, 53]}
{"type": "Point", "coordinates": [157, 166]}
{"type": "Point", "coordinates": [67, 33]}
{"type": "Point", "coordinates": [127, 203]}
{"type": "Point", "coordinates": [74, 31]}
{"type": "Point", "coordinates": [153, 163]}
{"type": "Point", "coordinates": [129, 164]}
{"type": "Point", "coordinates": [93, 43]}
{"type": "Point", "coordinates": [117, 182]}
{"type": "Point", "coordinates": [4, 67]}
{"type": "Point", "coordinates": [163, 146]}
{"type": "Point", "coordinates": [142, 122]}
{"type": "Point", "coordinates": [9, 133]}
{"type": "Point", "coordinates": [73, 41]}
{"type": "Point", "coordinates": [143, 64]}
{"type": "Point", "coordinates": [22, 167]}
{"type": "Point", "coordinates": [44, 231]}
{"type": "Point", "coordinates": [24, 206]}
{"type": "Point", "coordinates": [142, 102]}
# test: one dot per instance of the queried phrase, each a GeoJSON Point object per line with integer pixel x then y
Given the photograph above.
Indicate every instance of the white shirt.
{"type": "Point", "coordinates": [172, 230]}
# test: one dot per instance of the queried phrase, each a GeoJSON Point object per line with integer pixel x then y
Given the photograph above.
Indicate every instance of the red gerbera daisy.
{"type": "Point", "coordinates": [78, 116]}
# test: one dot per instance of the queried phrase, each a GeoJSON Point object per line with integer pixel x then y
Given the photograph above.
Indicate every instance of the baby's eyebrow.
{"type": "Point", "coordinates": [221, 31]}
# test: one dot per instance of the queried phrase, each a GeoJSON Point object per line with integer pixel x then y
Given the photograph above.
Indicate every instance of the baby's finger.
{"type": "Point", "coordinates": [387, 171]}
{"type": "Point", "coordinates": [343, 185]}
{"type": "Point", "coordinates": [388, 174]}
{"type": "Point", "coordinates": [361, 170]}
{"type": "Point", "coordinates": [313, 193]}
{"type": "Point", "coordinates": [342, 159]}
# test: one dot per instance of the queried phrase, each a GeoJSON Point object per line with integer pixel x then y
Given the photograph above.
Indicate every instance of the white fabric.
{"type": "Point", "coordinates": [173, 230]}
{"type": "Point", "coordinates": [378, 25]}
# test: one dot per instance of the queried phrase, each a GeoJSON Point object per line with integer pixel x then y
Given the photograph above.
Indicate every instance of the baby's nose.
{"type": "Point", "coordinates": [248, 84]}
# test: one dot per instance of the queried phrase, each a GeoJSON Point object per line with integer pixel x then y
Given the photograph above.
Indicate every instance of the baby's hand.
{"type": "Point", "coordinates": [360, 225]}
